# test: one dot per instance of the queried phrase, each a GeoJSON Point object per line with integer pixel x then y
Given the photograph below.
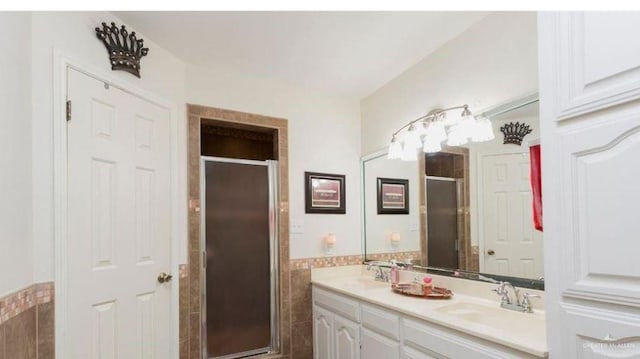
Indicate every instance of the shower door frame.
{"type": "Point", "coordinates": [272, 168]}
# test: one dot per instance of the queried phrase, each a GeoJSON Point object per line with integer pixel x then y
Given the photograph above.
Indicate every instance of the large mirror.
{"type": "Point", "coordinates": [464, 211]}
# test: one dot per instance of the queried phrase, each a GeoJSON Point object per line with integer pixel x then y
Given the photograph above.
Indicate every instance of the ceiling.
{"type": "Point", "coordinates": [343, 53]}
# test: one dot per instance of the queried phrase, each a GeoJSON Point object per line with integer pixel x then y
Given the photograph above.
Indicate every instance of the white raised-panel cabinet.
{"type": "Point", "coordinates": [346, 336]}
{"type": "Point", "coordinates": [408, 353]}
{"type": "Point", "coordinates": [347, 328]}
{"type": "Point", "coordinates": [590, 140]}
{"type": "Point", "coordinates": [376, 346]}
{"type": "Point", "coordinates": [322, 333]}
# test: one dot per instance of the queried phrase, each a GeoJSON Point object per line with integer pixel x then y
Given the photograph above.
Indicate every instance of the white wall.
{"type": "Point", "coordinates": [495, 60]}
{"type": "Point", "coordinates": [378, 227]}
{"type": "Point", "coordinates": [73, 33]}
{"type": "Point", "coordinates": [324, 136]}
{"type": "Point", "coordinates": [16, 260]}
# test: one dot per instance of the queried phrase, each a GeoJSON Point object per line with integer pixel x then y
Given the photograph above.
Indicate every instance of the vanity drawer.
{"type": "Point", "coordinates": [381, 321]}
{"type": "Point", "coordinates": [338, 304]}
{"type": "Point", "coordinates": [439, 341]}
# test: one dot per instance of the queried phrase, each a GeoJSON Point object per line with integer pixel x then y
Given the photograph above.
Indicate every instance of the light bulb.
{"type": "Point", "coordinates": [457, 137]}
{"type": "Point", "coordinates": [395, 149]}
{"type": "Point", "coordinates": [431, 145]}
{"type": "Point", "coordinates": [409, 154]}
{"type": "Point", "coordinates": [483, 130]}
{"type": "Point", "coordinates": [436, 131]}
{"type": "Point", "coordinates": [412, 138]}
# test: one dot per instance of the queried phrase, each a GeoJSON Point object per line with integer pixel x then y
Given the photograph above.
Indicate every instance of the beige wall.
{"type": "Point", "coordinates": [16, 259]}
{"type": "Point", "coordinates": [378, 227]}
{"type": "Point", "coordinates": [493, 61]}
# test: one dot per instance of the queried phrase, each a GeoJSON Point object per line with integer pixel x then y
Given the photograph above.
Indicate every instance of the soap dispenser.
{"type": "Point", "coordinates": [394, 274]}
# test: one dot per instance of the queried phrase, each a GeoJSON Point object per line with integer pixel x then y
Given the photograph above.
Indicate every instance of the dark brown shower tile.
{"type": "Point", "coordinates": [301, 308]}
{"type": "Point", "coordinates": [300, 282]}
{"type": "Point", "coordinates": [301, 340]}
{"type": "Point", "coordinates": [20, 336]}
{"type": "Point", "coordinates": [183, 306]}
{"type": "Point", "coordinates": [194, 335]}
{"type": "Point", "coordinates": [46, 330]}
{"type": "Point", "coordinates": [194, 281]}
{"type": "Point", "coordinates": [184, 349]}
{"type": "Point", "coordinates": [285, 289]}
{"type": "Point", "coordinates": [194, 231]}
{"type": "Point", "coordinates": [285, 327]}
{"type": "Point", "coordinates": [2, 341]}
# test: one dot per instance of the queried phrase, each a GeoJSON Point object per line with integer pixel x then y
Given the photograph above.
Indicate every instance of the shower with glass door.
{"type": "Point", "coordinates": [239, 235]}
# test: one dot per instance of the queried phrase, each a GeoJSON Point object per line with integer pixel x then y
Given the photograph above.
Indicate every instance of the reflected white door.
{"type": "Point", "coordinates": [512, 246]}
{"type": "Point", "coordinates": [118, 223]}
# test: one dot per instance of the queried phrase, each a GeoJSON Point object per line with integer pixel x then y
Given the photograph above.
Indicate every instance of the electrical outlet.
{"type": "Point", "coordinates": [413, 227]}
{"type": "Point", "coordinates": [297, 228]}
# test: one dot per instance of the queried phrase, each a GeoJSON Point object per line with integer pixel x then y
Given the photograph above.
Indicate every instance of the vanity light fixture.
{"type": "Point", "coordinates": [429, 131]}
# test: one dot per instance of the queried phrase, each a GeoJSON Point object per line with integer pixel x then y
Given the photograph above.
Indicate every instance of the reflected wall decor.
{"type": "Point", "coordinates": [393, 196]}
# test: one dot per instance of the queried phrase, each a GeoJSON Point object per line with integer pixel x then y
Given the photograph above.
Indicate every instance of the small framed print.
{"type": "Point", "coordinates": [393, 196]}
{"type": "Point", "coordinates": [324, 193]}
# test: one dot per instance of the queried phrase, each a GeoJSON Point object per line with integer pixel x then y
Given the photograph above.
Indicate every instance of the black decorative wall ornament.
{"type": "Point", "coordinates": [514, 132]}
{"type": "Point", "coordinates": [125, 50]}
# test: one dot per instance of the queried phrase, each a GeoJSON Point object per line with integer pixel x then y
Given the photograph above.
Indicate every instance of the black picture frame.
{"type": "Point", "coordinates": [324, 193]}
{"type": "Point", "coordinates": [393, 196]}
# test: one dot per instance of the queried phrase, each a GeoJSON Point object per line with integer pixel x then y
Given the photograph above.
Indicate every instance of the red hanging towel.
{"type": "Point", "coordinates": [536, 185]}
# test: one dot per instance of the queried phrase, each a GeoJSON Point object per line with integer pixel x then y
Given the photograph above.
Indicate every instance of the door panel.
{"type": "Point", "coordinates": [347, 338]}
{"type": "Point", "coordinates": [507, 218]}
{"type": "Point", "coordinates": [596, 61]}
{"type": "Point", "coordinates": [375, 346]}
{"type": "Point", "coordinates": [322, 333]}
{"type": "Point", "coordinates": [118, 223]}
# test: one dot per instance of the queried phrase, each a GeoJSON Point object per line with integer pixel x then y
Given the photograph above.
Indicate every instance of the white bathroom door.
{"type": "Point", "coordinates": [512, 246]}
{"type": "Point", "coordinates": [118, 223]}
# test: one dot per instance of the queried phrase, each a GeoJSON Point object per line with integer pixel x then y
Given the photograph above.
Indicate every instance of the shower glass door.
{"type": "Point", "coordinates": [442, 221]}
{"type": "Point", "coordinates": [240, 277]}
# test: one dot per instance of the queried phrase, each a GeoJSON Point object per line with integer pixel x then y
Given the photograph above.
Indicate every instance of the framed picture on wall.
{"type": "Point", "coordinates": [324, 193]}
{"type": "Point", "coordinates": [393, 196]}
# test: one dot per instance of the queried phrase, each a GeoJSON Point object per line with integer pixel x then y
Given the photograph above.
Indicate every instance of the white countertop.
{"type": "Point", "coordinates": [521, 331]}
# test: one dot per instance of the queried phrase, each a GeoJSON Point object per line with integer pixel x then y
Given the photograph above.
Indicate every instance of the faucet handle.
{"type": "Point", "coordinates": [526, 303]}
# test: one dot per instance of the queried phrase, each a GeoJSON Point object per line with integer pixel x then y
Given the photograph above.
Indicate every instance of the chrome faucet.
{"type": "Point", "coordinates": [381, 275]}
{"type": "Point", "coordinates": [517, 305]}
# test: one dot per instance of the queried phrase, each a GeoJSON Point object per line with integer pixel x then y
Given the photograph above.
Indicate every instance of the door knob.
{"type": "Point", "coordinates": [164, 277]}
{"type": "Point", "coordinates": [491, 252]}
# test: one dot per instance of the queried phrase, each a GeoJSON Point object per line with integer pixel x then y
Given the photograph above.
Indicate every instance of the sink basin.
{"type": "Point", "coordinates": [363, 283]}
{"type": "Point", "coordinates": [493, 317]}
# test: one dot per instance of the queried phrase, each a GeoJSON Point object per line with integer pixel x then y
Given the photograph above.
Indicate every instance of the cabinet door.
{"type": "Point", "coordinates": [346, 338]}
{"type": "Point", "coordinates": [322, 333]}
{"type": "Point", "coordinates": [408, 353]}
{"type": "Point", "coordinates": [376, 346]}
{"type": "Point", "coordinates": [590, 72]}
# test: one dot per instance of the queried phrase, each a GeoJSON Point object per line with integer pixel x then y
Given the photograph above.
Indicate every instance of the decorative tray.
{"type": "Point", "coordinates": [428, 293]}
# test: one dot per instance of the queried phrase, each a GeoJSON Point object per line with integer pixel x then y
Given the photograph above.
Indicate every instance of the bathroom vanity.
{"type": "Point", "coordinates": [355, 316]}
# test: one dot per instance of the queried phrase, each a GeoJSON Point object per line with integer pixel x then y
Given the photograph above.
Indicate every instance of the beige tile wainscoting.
{"type": "Point", "coordinates": [301, 309]}
{"type": "Point", "coordinates": [27, 323]}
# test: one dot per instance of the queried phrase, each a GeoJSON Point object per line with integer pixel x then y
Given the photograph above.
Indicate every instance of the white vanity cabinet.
{"type": "Point", "coordinates": [336, 331]}
{"type": "Point", "coordinates": [346, 327]}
